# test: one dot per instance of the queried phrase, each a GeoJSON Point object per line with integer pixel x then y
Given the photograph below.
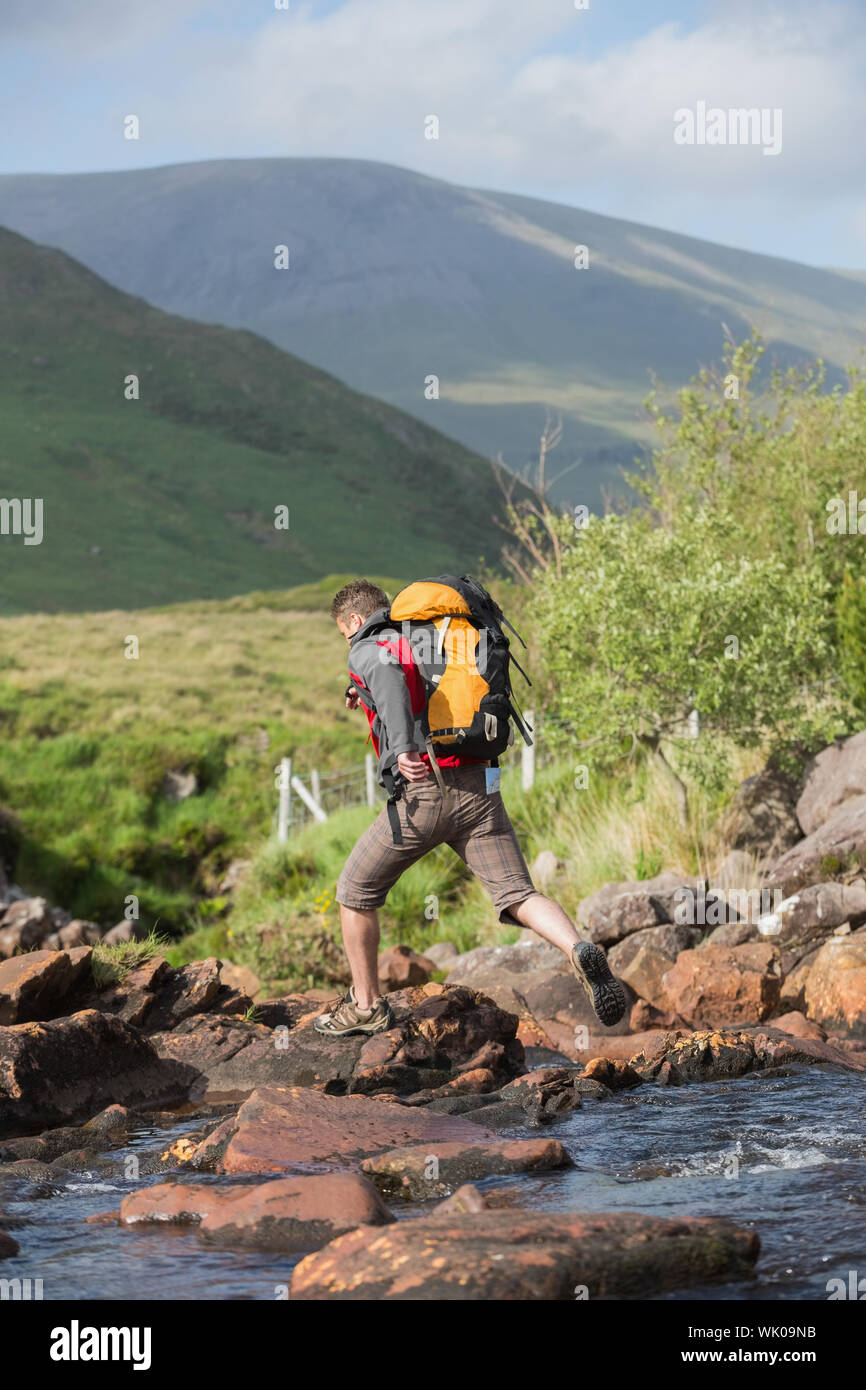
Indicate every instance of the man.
{"type": "Point", "coordinates": [470, 817]}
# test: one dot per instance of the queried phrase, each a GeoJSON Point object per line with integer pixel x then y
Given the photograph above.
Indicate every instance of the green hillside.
{"type": "Point", "coordinates": [172, 496]}
{"type": "Point", "coordinates": [395, 276]}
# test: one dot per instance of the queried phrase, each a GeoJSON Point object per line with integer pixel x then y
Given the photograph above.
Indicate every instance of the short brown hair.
{"type": "Point", "coordinates": [359, 597]}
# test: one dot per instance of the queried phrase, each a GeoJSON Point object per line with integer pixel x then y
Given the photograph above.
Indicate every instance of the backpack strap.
{"type": "Point", "coordinates": [394, 784]}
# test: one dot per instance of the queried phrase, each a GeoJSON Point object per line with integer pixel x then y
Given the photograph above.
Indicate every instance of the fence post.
{"type": "Point", "coordinates": [371, 779]}
{"type": "Point", "coordinates": [527, 754]}
{"type": "Point", "coordinates": [284, 814]}
{"type": "Point", "coordinates": [308, 800]}
{"type": "Point", "coordinates": [316, 786]}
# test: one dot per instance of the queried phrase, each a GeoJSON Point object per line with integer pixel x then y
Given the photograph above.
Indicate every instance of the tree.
{"type": "Point", "coordinates": [644, 623]}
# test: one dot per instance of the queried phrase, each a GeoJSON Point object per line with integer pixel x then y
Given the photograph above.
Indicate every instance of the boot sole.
{"type": "Point", "coordinates": [605, 992]}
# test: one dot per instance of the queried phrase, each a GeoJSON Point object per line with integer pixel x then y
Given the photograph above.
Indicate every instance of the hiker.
{"type": "Point", "coordinates": [413, 703]}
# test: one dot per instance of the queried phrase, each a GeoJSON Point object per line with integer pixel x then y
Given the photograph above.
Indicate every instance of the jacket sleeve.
{"type": "Point", "coordinates": [381, 672]}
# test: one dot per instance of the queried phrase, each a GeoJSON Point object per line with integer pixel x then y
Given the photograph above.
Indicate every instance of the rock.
{"type": "Point", "coordinates": [23, 925]}
{"type": "Point", "coordinates": [124, 931]}
{"type": "Point", "coordinates": [544, 869]}
{"type": "Point", "coordinates": [240, 978]}
{"type": "Point", "coordinates": [295, 1213]}
{"type": "Point", "coordinates": [64, 1070]}
{"type": "Point", "coordinates": [559, 1005]}
{"type": "Point", "coordinates": [526, 1255]}
{"type": "Point", "coordinates": [618, 909]}
{"type": "Point", "coordinates": [644, 1016]}
{"type": "Point", "coordinates": [8, 1246]}
{"type": "Point", "coordinates": [438, 1031]}
{"type": "Point", "coordinates": [284, 1127]}
{"type": "Point", "coordinates": [401, 967]}
{"type": "Point", "coordinates": [546, 1092]}
{"type": "Point", "coordinates": [505, 972]}
{"type": "Point", "coordinates": [832, 849]}
{"type": "Point", "coordinates": [615, 1074]}
{"type": "Point", "coordinates": [720, 984]}
{"type": "Point", "coordinates": [179, 785]}
{"type": "Point", "coordinates": [642, 959]}
{"type": "Point", "coordinates": [190, 990]}
{"type": "Point", "coordinates": [132, 998]}
{"type": "Point", "coordinates": [675, 1059]}
{"type": "Point", "coordinates": [420, 1172]}
{"type": "Point", "coordinates": [731, 934]}
{"type": "Point", "coordinates": [442, 953]}
{"type": "Point", "coordinates": [803, 921]}
{"type": "Point", "coordinates": [39, 984]}
{"type": "Point", "coordinates": [79, 933]}
{"type": "Point", "coordinates": [762, 817]}
{"type": "Point", "coordinates": [836, 775]}
{"type": "Point", "coordinates": [836, 986]}
{"type": "Point", "coordinates": [466, 1198]}
{"type": "Point", "coordinates": [799, 1026]}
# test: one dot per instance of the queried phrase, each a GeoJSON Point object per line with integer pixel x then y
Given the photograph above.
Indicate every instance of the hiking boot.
{"type": "Point", "coordinates": [345, 1018]}
{"type": "Point", "coordinates": [605, 992]}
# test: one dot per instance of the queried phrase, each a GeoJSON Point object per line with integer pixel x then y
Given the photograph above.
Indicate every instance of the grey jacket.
{"type": "Point", "coordinates": [385, 693]}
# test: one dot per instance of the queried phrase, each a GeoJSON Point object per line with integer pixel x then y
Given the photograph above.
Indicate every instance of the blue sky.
{"type": "Point", "coordinates": [532, 96]}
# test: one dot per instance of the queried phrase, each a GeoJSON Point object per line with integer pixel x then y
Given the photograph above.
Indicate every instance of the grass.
{"type": "Point", "coordinates": [111, 964]}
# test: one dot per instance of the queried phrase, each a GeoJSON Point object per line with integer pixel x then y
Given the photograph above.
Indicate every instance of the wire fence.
{"type": "Point", "coordinates": [305, 797]}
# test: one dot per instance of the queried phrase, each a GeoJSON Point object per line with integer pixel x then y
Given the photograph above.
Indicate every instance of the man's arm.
{"type": "Point", "coordinates": [383, 676]}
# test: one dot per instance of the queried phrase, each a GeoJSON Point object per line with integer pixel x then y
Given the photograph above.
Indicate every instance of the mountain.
{"type": "Point", "coordinates": [395, 276]}
{"type": "Point", "coordinates": [172, 496]}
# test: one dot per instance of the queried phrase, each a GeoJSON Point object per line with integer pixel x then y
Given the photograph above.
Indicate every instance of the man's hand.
{"type": "Point", "coordinates": [413, 767]}
{"type": "Point", "coordinates": [352, 698]}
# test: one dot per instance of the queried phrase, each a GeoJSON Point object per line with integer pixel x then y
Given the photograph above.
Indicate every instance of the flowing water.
{"type": "Point", "coordinates": [784, 1155]}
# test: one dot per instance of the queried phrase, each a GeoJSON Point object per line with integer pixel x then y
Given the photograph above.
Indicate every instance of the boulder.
{"type": "Point", "coordinates": [442, 953]}
{"type": "Point", "coordinates": [132, 997]}
{"type": "Point", "coordinates": [801, 922]}
{"type": "Point", "coordinates": [79, 932]}
{"type": "Point", "coordinates": [560, 1007]}
{"type": "Point", "coordinates": [641, 959]}
{"type": "Point", "coordinates": [835, 989]}
{"type": "Point", "coordinates": [720, 984]}
{"type": "Point", "coordinates": [731, 934]}
{"type": "Point", "coordinates": [546, 1092]}
{"type": "Point", "coordinates": [678, 1058]}
{"type": "Point", "coordinates": [836, 775]}
{"type": "Point", "coordinates": [23, 925]}
{"type": "Point", "coordinates": [8, 1246]}
{"type": "Point", "coordinates": [526, 1255]}
{"type": "Point", "coordinates": [284, 1128]}
{"type": "Point", "coordinates": [799, 1026]}
{"type": "Point", "coordinates": [295, 1213]}
{"type": "Point", "coordinates": [65, 1070]}
{"type": "Point", "coordinates": [834, 848]}
{"type": "Point", "coordinates": [505, 972]}
{"type": "Point", "coordinates": [192, 989]}
{"type": "Point", "coordinates": [420, 1172]}
{"type": "Point", "coordinates": [619, 909]}
{"type": "Point", "coordinates": [793, 996]}
{"type": "Point", "coordinates": [41, 984]}
{"type": "Point", "coordinates": [762, 818]}
{"type": "Point", "coordinates": [240, 978]}
{"type": "Point", "coordinates": [124, 931]}
{"type": "Point", "coordinates": [401, 967]}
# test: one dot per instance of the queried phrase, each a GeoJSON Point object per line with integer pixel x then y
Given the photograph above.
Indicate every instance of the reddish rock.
{"type": "Point", "coordinates": [66, 1069]}
{"type": "Point", "coordinates": [644, 1017]}
{"type": "Point", "coordinates": [284, 1127]}
{"type": "Point", "coordinates": [546, 1092]}
{"type": "Point", "coordinates": [295, 1213]}
{"type": "Point", "coordinates": [793, 995]}
{"type": "Point", "coordinates": [523, 1255]}
{"type": "Point", "coordinates": [38, 984]}
{"type": "Point", "coordinates": [718, 984]}
{"type": "Point", "coordinates": [641, 959]}
{"type": "Point", "coordinates": [799, 1026]}
{"type": "Point", "coordinates": [835, 776]}
{"type": "Point", "coordinates": [614, 1073]}
{"type": "Point", "coordinates": [182, 993]}
{"type": "Point", "coordinates": [677, 1058]}
{"type": "Point", "coordinates": [419, 1172]}
{"type": "Point", "coordinates": [132, 997]}
{"type": "Point", "coordinates": [400, 967]}
{"type": "Point", "coordinates": [79, 933]}
{"type": "Point", "coordinates": [836, 986]}
{"type": "Point", "coordinates": [466, 1198]}
{"type": "Point", "coordinates": [240, 978]}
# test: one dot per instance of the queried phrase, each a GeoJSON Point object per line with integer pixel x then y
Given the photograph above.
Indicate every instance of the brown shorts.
{"type": "Point", "coordinates": [472, 821]}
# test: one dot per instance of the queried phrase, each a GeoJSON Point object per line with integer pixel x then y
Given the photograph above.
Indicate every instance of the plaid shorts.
{"type": "Point", "coordinates": [472, 821]}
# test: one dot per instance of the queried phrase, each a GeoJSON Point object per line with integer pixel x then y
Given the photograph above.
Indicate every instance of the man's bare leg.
{"type": "Point", "coordinates": [361, 942]}
{"type": "Point", "coordinates": [548, 919]}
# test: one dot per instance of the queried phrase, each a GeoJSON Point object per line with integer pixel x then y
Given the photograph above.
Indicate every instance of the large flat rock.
{"type": "Point", "coordinates": [533, 1256]}
{"type": "Point", "coordinates": [284, 1128]}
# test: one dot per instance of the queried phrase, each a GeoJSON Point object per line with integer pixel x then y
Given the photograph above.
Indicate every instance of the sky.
{"type": "Point", "coordinates": [538, 97]}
